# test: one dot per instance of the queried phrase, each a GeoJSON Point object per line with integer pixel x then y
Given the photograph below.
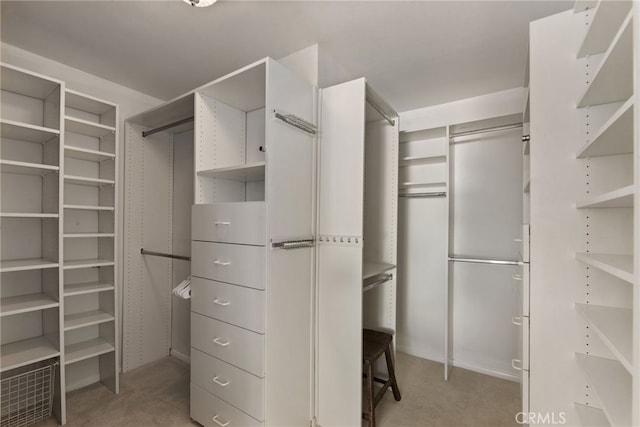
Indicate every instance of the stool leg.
{"type": "Point", "coordinates": [392, 373]}
{"type": "Point", "coordinates": [370, 396]}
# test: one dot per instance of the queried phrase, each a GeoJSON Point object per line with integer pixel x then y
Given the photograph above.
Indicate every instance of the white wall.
{"type": "Point", "coordinates": [423, 236]}
{"type": "Point", "coordinates": [130, 102]}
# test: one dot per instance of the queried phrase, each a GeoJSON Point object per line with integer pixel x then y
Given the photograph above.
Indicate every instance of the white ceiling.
{"type": "Point", "coordinates": [414, 53]}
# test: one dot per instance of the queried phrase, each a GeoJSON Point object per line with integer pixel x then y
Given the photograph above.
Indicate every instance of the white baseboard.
{"type": "Point", "coordinates": [180, 356]}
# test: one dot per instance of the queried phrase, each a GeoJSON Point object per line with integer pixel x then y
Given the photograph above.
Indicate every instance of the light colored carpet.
{"type": "Point", "coordinates": [158, 395]}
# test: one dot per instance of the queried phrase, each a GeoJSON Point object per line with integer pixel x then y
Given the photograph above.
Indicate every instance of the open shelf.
{"type": "Point", "coordinates": [84, 127]}
{"type": "Point", "coordinates": [86, 288]}
{"type": "Point", "coordinates": [613, 81]}
{"type": "Point", "coordinates": [591, 417]}
{"type": "Point", "coordinates": [614, 137]}
{"type": "Point", "coordinates": [26, 264]}
{"type": "Point", "coordinates": [27, 215]}
{"type": "Point", "coordinates": [422, 184]}
{"type": "Point", "coordinates": [620, 266]}
{"type": "Point", "coordinates": [620, 198]}
{"type": "Point", "coordinates": [27, 83]}
{"type": "Point", "coordinates": [26, 132]}
{"type": "Point", "coordinates": [80, 180]}
{"type": "Point", "coordinates": [89, 318]}
{"type": "Point", "coordinates": [25, 352]}
{"type": "Point", "coordinates": [25, 168]}
{"type": "Point", "coordinates": [248, 172]}
{"type": "Point", "coordinates": [87, 235]}
{"type": "Point", "coordinates": [89, 104]}
{"type": "Point", "coordinates": [86, 350]}
{"type": "Point", "coordinates": [86, 154]}
{"type": "Point", "coordinates": [421, 160]}
{"type": "Point", "coordinates": [87, 263]}
{"type": "Point", "coordinates": [614, 326]}
{"type": "Point", "coordinates": [244, 89]}
{"type": "Point", "coordinates": [604, 26]}
{"type": "Point", "coordinates": [26, 303]}
{"type": "Point", "coordinates": [612, 384]}
{"type": "Point", "coordinates": [370, 269]}
{"type": "Point", "coordinates": [89, 208]}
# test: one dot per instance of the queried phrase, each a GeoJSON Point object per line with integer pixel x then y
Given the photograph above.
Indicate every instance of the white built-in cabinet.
{"type": "Point", "coordinates": [58, 213]}
{"type": "Point", "coordinates": [585, 306]}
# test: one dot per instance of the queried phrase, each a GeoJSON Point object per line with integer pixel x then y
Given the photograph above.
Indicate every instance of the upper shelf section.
{"type": "Point", "coordinates": [607, 18]}
{"type": "Point", "coordinates": [244, 90]}
{"type": "Point", "coordinates": [26, 132]}
{"type": "Point", "coordinates": [89, 114]}
{"type": "Point", "coordinates": [247, 173]}
{"type": "Point", "coordinates": [26, 83]}
{"type": "Point", "coordinates": [613, 81]}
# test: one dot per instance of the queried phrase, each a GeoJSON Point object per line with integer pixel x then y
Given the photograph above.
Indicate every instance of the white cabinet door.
{"type": "Point", "coordinates": [341, 175]}
{"type": "Point", "coordinates": [290, 201]}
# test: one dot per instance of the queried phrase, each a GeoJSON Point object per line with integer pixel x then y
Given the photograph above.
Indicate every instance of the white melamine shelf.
{"type": "Point", "coordinates": [26, 132]}
{"type": "Point", "coordinates": [591, 417]}
{"type": "Point", "coordinates": [84, 127]}
{"type": "Point", "coordinates": [614, 327]}
{"type": "Point", "coordinates": [86, 350]}
{"type": "Point", "coordinates": [89, 208]}
{"type": "Point", "coordinates": [620, 266]}
{"type": "Point", "coordinates": [26, 264]}
{"type": "Point", "coordinates": [23, 353]}
{"type": "Point", "coordinates": [613, 81]}
{"type": "Point", "coordinates": [614, 137]}
{"type": "Point", "coordinates": [25, 168]}
{"type": "Point", "coordinates": [86, 154]}
{"type": "Point", "coordinates": [86, 235]}
{"type": "Point", "coordinates": [248, 172]}
{"type": "Point", "coordinates": [604, 26]}
{"type": "Point", "coordinates": [620, 198]}
{"type": "Point", "coordinates": [86, 263]}
{"type": "Point", "coordinates": [81, 320]}
{"type": "Point", "coordinates": [26, 303]}
{"type": "Point", "coordinates": [82, 102]}
{"type": "Point", "coordinates": [612, 384]}
{"type": "Point", "coordinates": [422, 184]}
{"type": "Point", "coordinates": [28, 215]}
{"type": "Point", "coordinates": [81, 180]}
{"type": "Point", "coordinates": [86, 288]}
{"type": "Point", "coordinates": [27, 83]}
{"type": "Point", "coordinates": [370, 269]}
{"type": "Point", "coordinates": [422, 160]}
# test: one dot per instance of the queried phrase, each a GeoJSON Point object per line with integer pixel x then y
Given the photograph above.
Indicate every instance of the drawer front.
{"type": "Point", "coordinates": [239, 347]}
{"type": "Point", "coordinates": [233, 304]}
{"type": "Point", "coordinates": [229, 223]}
{"type": "Point", "coordinates": [237, 264]}
{"type": "Point", "coordinates": [210, 411]}
{"type": "Point", "coordinates": [233, 385]}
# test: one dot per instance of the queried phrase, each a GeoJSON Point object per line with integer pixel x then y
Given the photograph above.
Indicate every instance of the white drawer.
{"type": "Point", "coordinates": [233, 385]}
{"type": "Point", "coordinates": [240, 347]}
{"type": "Point", "coordinates": [229, 222]}
{"type": "Point", "coordinates": [238, 264]}
{"type": "Point", "coordinates": [233, 304]}
{"type": "Point", "coordinates": [210, 411]}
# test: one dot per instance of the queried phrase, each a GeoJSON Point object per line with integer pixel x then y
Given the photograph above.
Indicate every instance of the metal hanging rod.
{"type": "Point", "coordinates": [146, 133]}
{"type": "Point", "coordinates": [423, 195]}
{"type": "Point", "coordinates": [293, 244]}
{"type": "Point", "coordinates": [165, 255]}
{"type": "Point", "coordinates": [383, 279]}
{"type": "Point", "coordinates": [486, 130]}
{"type": "Point", "coordinates": [375, 106]}
{"type": "Point", "coordinates": [485, 261]}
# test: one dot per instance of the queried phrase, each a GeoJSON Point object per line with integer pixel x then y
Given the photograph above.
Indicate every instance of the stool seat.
{"type": "Point", "coordinates": [374, 345]}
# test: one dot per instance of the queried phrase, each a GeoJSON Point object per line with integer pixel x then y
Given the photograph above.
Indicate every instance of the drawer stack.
{"type": "Point", "coordinates": [228, 314]}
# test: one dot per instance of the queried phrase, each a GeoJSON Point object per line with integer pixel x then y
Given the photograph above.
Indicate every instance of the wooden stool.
{"type": "Point", "coordinates": [374, 344]}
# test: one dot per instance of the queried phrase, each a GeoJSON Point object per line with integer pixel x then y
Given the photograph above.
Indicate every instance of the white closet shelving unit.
{"type": "Point", "coordinates": [54, 303]}
{"type": "Point", "coordinates": [89, 273]}
{"type": "Point", "coordinates": [592, 151]}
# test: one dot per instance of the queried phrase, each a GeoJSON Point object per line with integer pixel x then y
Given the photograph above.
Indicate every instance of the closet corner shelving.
{"type": "Point", "coordinates": [602, 184]}
{"type": "Point", "coordinates": [54, 142]}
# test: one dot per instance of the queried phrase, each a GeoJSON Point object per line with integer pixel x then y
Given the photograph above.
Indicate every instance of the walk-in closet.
{"type": "Point", "coordinates": [329, 214]}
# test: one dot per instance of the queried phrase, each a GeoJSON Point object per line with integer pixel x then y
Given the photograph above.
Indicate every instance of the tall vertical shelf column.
{"type": "Point", "coordinates": [586, 136]}
{"type": "Point", "coordinates": [89, 273]}
{"type": "Point", "coordinates": [30, 131]}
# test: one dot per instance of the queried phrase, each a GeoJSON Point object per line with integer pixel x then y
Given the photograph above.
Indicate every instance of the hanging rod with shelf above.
{"type": "Point", "coordinates": [486, 130]}
{"type": "Point", "coordinates": [164, 255]}
{"type": "Point", "coordinates": [177, 123]}
{"type": "Point", "coordinates": [423, 195]}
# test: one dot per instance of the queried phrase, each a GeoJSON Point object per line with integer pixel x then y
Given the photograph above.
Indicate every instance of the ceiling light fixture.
{"type": "Point", "coordinates": [200, 3]}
